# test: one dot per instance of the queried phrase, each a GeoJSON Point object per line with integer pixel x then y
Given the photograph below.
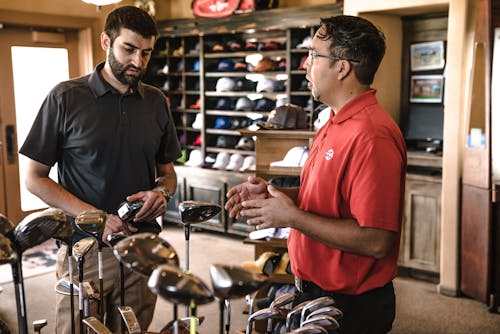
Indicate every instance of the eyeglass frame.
{"type": "Point", "coordinates": [313, 54]}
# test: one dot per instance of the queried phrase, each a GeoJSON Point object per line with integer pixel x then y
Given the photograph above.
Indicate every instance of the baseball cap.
{"type": "Point", "coordinates": [240, 66]}
{"type": "Point", "coordinates": [197, 141]}
{"type": "Point", "coordinates": [302, 62]}
{"type": "Point", "coordinates": [198, 121]}
{"type": "Point", "coordinates": [224, 104]}
{"type": "Point", "coordinates": [323, 117]}
{"type": "Point", "coordinates": [178, 52]}
{"type": "Point", "coordinates": [245, 143]}
{"type": "Point", "coordinates": [306, 43]}
{"type": "Point", "coordinates": [235, 45]}
{"type": "Point", "coordinates": [288, 116]}
{"type": "Point", "coordinates": [195, 158]}
{"type": "Point", "coordinates": [295, 157]}
{"type": "Point", "coordinates": [281, 101]}
{"type": "Point", "coordinates": [218, 47]}
{"type": "Point", "coordinates": [209, 160]}
{"type": "Point", "coordinates": [251, 46]}
{"type": "Point", "coordinates": [248, 163]}
{"type": "Point", "coordinates": [225, 65]}
{"type": "Point", "coordinates": [225, 84]}
{"type": "Point", "coordinates": [281, 66]}
{"type": "Point", "coordinates": [235, 162]}
{"type": "Point", "coordinates": [264, 104]}
{"type": "Point", "coordinates": [222, 122]}
{"type": "Point", "coordinates": [221, 161]}
{"type": "Point", "coordinates": [196, 105]}
{"type": "Point", "coordinates": [226, 141]}
{"type": "Point", "coordinates": [264, 65]}
{"type": "Point", "coordinates": [182, 158]}
{"type": "Point", "coordinates": [245, 104]}
{"type": "Point", "coordinates": [265, 85]}
{"type": "Point", "coordinates": [196, 65]}
{"type": "Point", "coordinates": [238, 123]}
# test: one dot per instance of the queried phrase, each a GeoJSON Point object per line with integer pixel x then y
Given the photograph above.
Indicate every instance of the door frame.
{"type": "Point", "coordinates": [86, 42]}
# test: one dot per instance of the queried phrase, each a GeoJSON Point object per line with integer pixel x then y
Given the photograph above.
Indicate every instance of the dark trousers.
{"type": "Point", "coordinates": [372, 312]}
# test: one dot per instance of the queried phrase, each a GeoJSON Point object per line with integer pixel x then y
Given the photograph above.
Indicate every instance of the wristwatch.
{"type": "Point", "coordinates": [165, 192]}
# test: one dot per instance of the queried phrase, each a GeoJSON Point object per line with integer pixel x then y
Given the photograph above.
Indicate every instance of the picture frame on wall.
{"type": "Point", "coordinates": [427, 56]}
{"type": "Point", "coordinates": [426, 88]}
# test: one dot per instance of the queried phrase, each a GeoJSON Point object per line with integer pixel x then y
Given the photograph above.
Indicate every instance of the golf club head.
{"type": "Point", "coordinates": [7, 252]}
{"type": "Point", "coordinates": [6, 227]}
{"type": "Point", "coordinates": [114, 238]}
{"type": "Point", "coordinates": [97, 326]}
{"type": "Point", "coordinates": [179, 287]}
{"type": "Point", "coordinates": [315, 304]}
{"type": "Point", "coordinates": [310, 329]}
{"type": "Point", "coordinates": [230, 282]}
{"type": "Point", "coordinates": [332, 311]}
{"type": "Point", "coordinates": [327, 322]}
{"type": "Point", "coordinates": [62, 287]}
{"type": "Point", "coordinates": [82, 247]}
{"type": "Point", "coordinates": [283, 300]}
{"type": "Point", "coordinates": [143, 252]}
{"type": "Point", "coordinates": [91, 223]}
{"type": "Point", "coordinates": [38, 227]}
{"type": "Point", "coordinates": [65, 233]}
{"type": "Point", "coordinates": [193, 212]}
{"type": "Point", "coordinates": [295, 311]}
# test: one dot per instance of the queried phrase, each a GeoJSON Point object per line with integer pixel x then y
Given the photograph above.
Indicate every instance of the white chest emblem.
{"type": "Point", "coordinates": [329, 154]}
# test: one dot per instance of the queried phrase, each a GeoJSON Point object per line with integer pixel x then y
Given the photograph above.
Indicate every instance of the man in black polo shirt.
{"type": "Point", "coordinates": [113, 138]}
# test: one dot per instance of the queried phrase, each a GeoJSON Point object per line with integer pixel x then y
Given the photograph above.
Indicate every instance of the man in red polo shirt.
{"type": "Point", "coordinates": [346, 216]}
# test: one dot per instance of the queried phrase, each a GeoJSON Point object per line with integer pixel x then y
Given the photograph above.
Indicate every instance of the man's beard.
{"type": "Point", "coordinates": [119, 71]}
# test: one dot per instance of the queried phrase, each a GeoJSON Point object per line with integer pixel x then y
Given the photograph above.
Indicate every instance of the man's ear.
{"type": "Point", "coordinates": [344, 68]}
{"type": "Point", "coordinates": [105, 41]}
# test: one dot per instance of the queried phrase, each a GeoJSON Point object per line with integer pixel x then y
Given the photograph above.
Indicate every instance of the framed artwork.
{"type": "Point", "coordinates": [427, 56]}
{"type": "Point", "coordinates": [426, 88]}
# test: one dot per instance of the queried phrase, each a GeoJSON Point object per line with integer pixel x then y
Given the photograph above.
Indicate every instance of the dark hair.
{"type": "Point", "coordinates": [130, 17]}
{"type": "Point", "coordinates": [355, 38]}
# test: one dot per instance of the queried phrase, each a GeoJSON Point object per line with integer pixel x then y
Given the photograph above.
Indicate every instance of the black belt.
{"type": "Point", "coordinates": [303, 286]}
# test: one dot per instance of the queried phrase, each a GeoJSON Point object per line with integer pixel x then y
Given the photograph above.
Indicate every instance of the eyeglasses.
{"type": "Point", "coordinates": [314, 54]}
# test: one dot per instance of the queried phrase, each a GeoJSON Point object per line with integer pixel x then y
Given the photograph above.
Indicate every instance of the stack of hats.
{"type": "Point", "coordinates": [288, 116]}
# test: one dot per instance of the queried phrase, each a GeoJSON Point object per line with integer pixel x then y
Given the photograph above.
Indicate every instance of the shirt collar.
{"type": "Point", "coordinates": [99, 86]}
{"type": "Point", "coordinates": [354, 106]}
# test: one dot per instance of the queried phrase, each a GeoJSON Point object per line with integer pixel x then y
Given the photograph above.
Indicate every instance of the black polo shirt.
{"type": "Point", "coordinates": [106, 144]}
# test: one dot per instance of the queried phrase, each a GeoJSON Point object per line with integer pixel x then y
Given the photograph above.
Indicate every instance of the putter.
{"type": "Point", "coordinates": [38, 325]}
{"type": "Point", "coordinates": [316, 304]}
{"type": "Point", "coordinates": [80, 249]}
{"type": "Point", "coordinates": [92, 223]}
{"type": "Point", "coordinates": [229, 282]}
{"type": "Point", "coordinates": [179, 287]}
{"type": "Point", "coordinates": [97, 326]}
{"type": "Point", "coordinates": [31, 231]}
{"type": "Point", "coordinates": [263, 314]}
{"type": "Point", "coordinates": [128, 316]}
{"type": "Point", "coordinates": [327, 322]}
{"type": "Point", "coordinates": [65, 235]}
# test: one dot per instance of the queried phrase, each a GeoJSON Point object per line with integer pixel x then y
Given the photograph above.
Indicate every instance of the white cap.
{"type": "Point", "coordinates": [225, 85]}
{"type": "Point", "coordinates": [323, 117]}
{"type": "Point", "coordinates": [235, 162]}
{"type": "Point", "coordinates": [195, 159]}
{"type": "Point", "coordinates": [198, 121]}
{"type": "Point", "coordinates": [306, 43]}
{"type": "Point", "coordinates": [248, 163]}
{"type": "Point", "coordinates": [221, 161]}
{"type": "Point", "coordinates": [265, 85]}
{"type": "Point", "coordinates": [295, 157]}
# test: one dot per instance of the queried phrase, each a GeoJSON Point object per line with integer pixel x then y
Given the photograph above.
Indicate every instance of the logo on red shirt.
{"type": "Point", "coordinates": [329, 154]}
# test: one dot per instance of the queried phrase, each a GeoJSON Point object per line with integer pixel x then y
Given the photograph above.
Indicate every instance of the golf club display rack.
{"type": "Point", "coordinates": [184, 66]}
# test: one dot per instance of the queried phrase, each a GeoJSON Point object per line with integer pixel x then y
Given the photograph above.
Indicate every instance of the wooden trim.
{"type": "Point", "coordinates": [44, 20]}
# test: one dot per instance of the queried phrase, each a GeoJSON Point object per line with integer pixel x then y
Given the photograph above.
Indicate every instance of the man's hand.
{"type": "Point", "coordinates": [276, 211]}
{"type": "Point", "coordinates": [115, 225]}
{"type": "Point", "coordinates": [254, 188]}
{"type": "Point", "coordinates": [155, 205]}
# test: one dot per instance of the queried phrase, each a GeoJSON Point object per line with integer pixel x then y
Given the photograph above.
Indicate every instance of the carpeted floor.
{"type": "Point", "coordinates": [420, 309]}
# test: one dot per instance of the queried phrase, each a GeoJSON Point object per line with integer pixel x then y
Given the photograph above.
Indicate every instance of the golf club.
{"type": "Point", "coordinates": [179, 287]}
{"type": "Point", "coordinates": [80, 249]}
{"type": "Point", "coordinates": [262, 314]}
{"type": "Point", "coordinates": [280, 302]}
{"type": "Point", "coordinates": [327, 322]}
{"type": "Point", "coordinates": [316, 304]}
{"type": "Point", "coordinates": [92, 223]}
{"type": "Point", "coordinates": [97, 326]}
{"type": "Point", "coordinates": [38, 325]}
{"type": "Point", "coordinates": [296, 310]}
{"type": "Point", "coordinates": [310, 329]}
{"type": "Point", "coordinates": [65, 235]}
{"type": "Point", "coordinates": [31, 231]}
{"type": "Point", "coordinates": [229, 282]}
{"type": "Point", "coordinates": [329, 310]}
{"type": "Point", "coordinates": [113, 239]}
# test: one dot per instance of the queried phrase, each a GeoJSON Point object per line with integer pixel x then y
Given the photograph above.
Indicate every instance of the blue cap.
{"type": "Point", "coordinates": [224, 104]}
{"type": "Point", "coordinates": [196, 65]}
{"type": "Point", "coordinates": [265, 104]}
{"type": "Point", "coordinates": [222, 122]}
{"type": "Point", "coordinates": [225, 65]}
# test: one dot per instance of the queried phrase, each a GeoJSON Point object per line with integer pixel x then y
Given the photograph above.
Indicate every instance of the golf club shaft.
{"type": "Point", "coordinates": [228, 315]}
{"type": "Point", "coordinates": [187, 232]}
{"type": "Point", "coordinates": [221, 316]}
{"type": "Point", "coordinates": [80, 292]}
{"type": "Point", "coordinates": [122, 294]}
{"type": "Point", "coordinates": [17, 273]}
{"type": "Point", "coordinates": [193, 320]}
{"type": "Point", "coordinates": [101, 280]}
{"type": "Point", "coordinates": [71, 289]}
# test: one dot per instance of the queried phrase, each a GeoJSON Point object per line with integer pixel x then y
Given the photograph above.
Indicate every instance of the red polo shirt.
{"type": "Point", "coordinates": [356, 169]}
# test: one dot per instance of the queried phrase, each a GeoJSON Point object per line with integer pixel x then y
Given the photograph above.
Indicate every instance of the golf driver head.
{"type": "Point", "coordinates": [143, 252]}
{"type": "Point", "coordinates": [82, 247]}
{"type": "Point", "coordinates": [38, 227]}
{"type": "Point", "coordinates": [91, 223]}
{"type": "Point", "coordinates": [230, 282]}
{"type": "Point", "coordinates": [193, 212]}
{"type": "Point", "coordinates": [7, 252]}
{"type": "Point", "coordinates": [65, 233]}
{"type": "Point", "coordinates": [6, 227]}
{"type": "Point", "coordinates": [179, 287]}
